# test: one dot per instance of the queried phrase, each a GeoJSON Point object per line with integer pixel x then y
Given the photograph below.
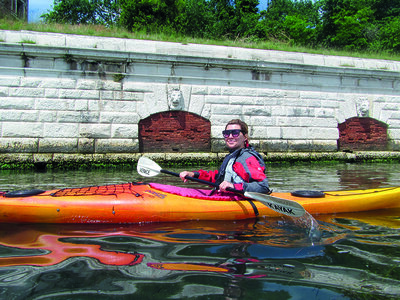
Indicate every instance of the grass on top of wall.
{"type": "Point", "coordinates": [98, 30]}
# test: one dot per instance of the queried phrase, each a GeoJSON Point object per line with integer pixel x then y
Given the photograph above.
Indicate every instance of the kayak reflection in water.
{"type": "Point", "coordinates": [243, 168]}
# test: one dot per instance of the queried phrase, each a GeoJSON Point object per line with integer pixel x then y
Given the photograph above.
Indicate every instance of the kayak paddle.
{"type": "Point", "coordinates": [148, 168]}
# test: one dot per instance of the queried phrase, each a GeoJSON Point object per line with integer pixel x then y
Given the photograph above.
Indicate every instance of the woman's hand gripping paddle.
{"type": "Point", "coordinates": [148, 168]}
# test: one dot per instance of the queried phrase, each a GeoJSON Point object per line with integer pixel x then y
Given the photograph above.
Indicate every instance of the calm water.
{"type": "Point", "coordinates": [357, 257]}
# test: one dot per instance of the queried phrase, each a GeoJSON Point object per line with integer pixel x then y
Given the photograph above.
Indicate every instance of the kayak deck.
{"type": "Point", "coordinates": [348, 201]}
{"type": "Point", "coordinates": [139, 202]}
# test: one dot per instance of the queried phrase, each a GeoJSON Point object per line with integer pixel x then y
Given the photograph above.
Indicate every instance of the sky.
{"type": "Point", "coordinates": [39, 7]}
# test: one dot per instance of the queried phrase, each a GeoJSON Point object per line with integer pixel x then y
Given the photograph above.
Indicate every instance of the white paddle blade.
{"type": "Point", "coordinates": [284, 206]}
{"type": "Point", "coordinates": [148, 168]}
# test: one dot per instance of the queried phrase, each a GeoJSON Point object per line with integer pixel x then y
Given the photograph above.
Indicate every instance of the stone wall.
{"type": "Point", "coordinates": [63, 93]}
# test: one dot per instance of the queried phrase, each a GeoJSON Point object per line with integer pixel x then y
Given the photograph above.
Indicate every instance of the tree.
{"type": "Point", "coordinates": [351, 29]}
{"type": "Point", "coordinates": [298, 30]}
{"type": "Point", "coordinates": [103, 12]}
{"type": "Point", "coordinates": [223, 23]}
{"type": "Point", "coordinates": [150, 15]}
{"type": "Point", "coordinates": [385, 9]}
{"type": "Point", "coordinates": [287, 20]}
{"type": "Point", "coordinates": [246, 17]}
{"type": "Point", "coordinates": [390, 34]}
{"type": "Point", "coordinates": [347, 24]}
{"type": "Point", "coordinates": [196, 18]}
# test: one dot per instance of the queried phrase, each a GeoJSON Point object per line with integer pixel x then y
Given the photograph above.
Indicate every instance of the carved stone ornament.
{"type": "Point", "coordinates": [175, 100]}
{"type": "Point", "coordinates": [362, 106]}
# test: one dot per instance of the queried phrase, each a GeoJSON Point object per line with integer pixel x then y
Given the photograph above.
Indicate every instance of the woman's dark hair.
{"type": "Point", "coordinates": [243, 125]}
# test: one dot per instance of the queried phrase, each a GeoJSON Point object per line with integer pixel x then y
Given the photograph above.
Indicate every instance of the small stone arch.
{"type": "Point", "coordinates": [174, 131]}
{"type": "Point", "coordinates": [363, 134]}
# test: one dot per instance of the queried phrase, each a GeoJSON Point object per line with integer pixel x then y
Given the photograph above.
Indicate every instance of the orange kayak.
{"type": "Point", "coordinates": [140, 202]}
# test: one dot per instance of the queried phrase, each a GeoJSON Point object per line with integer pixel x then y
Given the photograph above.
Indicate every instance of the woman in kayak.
{"type": "Point", "coordinates": [242, 169]}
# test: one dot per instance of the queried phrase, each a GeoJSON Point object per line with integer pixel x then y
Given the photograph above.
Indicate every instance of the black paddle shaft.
{"type": "Point", "coordinates": [200, 181]}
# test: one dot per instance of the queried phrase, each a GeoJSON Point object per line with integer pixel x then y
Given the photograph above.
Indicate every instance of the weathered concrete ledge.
{"type": "Point", "coordinates": [42, 161]}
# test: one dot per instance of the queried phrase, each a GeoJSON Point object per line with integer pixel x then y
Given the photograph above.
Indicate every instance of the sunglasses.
{"type": "Point", "coordinates": [235, 133]}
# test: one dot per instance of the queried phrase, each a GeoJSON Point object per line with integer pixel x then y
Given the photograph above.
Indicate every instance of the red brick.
{"type": "Point", "coordinates": [175, 131]}
{"type": "Point", "coordinates": [362, 134]}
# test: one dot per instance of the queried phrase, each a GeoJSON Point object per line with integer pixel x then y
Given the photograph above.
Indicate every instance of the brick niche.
{"type": "Point", "coordinates": [174, 131]}
{"type": "Point", "coordinates": [362, 134]}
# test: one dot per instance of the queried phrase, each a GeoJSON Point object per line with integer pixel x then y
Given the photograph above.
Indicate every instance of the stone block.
{"type": "Point", "coordinates": [84, 84]}
{"type": "Point", "coordinates": [116, 145]}
{"type": "Point", "coordinates": [61, 130]}
{"type": "Point", "coordinates": [244, 100]}
{"type": "Point", "coordinates": [314, 122]}
{"type": "Point", "coordinates": [114, 105]}
{"type": "Point", "coordinates": [95, 130]}
{"type": "Point", "coordinates": [109, 85]}
{"type": "Point", "coordinates": [218, 109]}
{"type": "Point", "coordinates": [294, 133]}
{"type": "Point", "coordinates": [240, 92]}
{"type": "Point", "coordinates": [135, 86]}
{"type": "Point", "coordinates": [214, 90]}
{"type": "Point", "coordinates": [196, 104]}
{"type": "Point", "coordinates": [42, 158]}
{"type": "Point", "coordinates": [19, 115]}
{"type": "Point", "coordinates": [218, 145]}
{"type": "Point", "coordinates": [124, 130]}
{"type": "Point", "coordinates": [324, 81]}
{"type": "Point", "coordinates": [20, 103]}
{"type": "Point", "coordinates": [323, 133]}
{"type": "Point", "coordinates": [394, 133]}
{"type": "Point", "coordinates": [107, 95]}
{"type": "Point", "coordinates": [40, 63]}
{"type": "Point", "coordinates": [79, 105]}
{"type": "Point", "coordinates": [51, 93]}
{"type": "Point", "coordinates": [47, 116]}
{"type": "Point", "coordinates": [11, 61]}
{"type": "Point", "coordinates": [324, 145]}
{"type": "Point", "coordinates": [200, 90]}
{"type": "Point", "coordinates": [256, 110]}
{"type": "Point", "coordinates": [22, 129]}
{"type": "Point", "coordinates": [50, 39]}
{"type": "Point", "coordinates": [300, 145]}
{"type": "Point", "coordinates": [58, 83]}
{"type": "Point", "coordinates": [131, 96]}
{"type": "Point", "coordinates": [18, 145]}
{"type": "Point", "coordinates": [219, 121]}
{"type": "Point", "coordinates": [267, 132]}
{"type": "Point", "coordinates": [54, 104]}
{"type": "Point", "coordinates": [298, 79]}
{"type": "Point", "coordinates": [216, 99]}
{"type": "Point", "coordinates": [79, 94]}
{"type": "Point", "coordinates": [78, 117]}
{"type": "Point", "coordinates": [274, 145]}
{"type": "Point", "coordinates": [58, 145]}
{"type": "Point", "coordinates": [86, 145]}
{"type": "Point", "coordinates": [119, 117]}
{"type": "Point", "coordinates": [26, 92]}
{"type": "Point", "coordinates": [3, 91]}
{"type": "Point", "coordinates": [10, 81]}
{"type": "Point", "coordinates": [80, 41]}
{"type": "Point", "coordinates": [262, 121]}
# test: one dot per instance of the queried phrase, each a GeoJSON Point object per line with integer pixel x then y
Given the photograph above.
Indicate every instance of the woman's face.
{"type": "Point", "coordinates": [234, 143]}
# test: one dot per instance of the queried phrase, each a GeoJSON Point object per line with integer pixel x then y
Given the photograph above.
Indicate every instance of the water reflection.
{"type": "Point", "coordinates": [145, 254]}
